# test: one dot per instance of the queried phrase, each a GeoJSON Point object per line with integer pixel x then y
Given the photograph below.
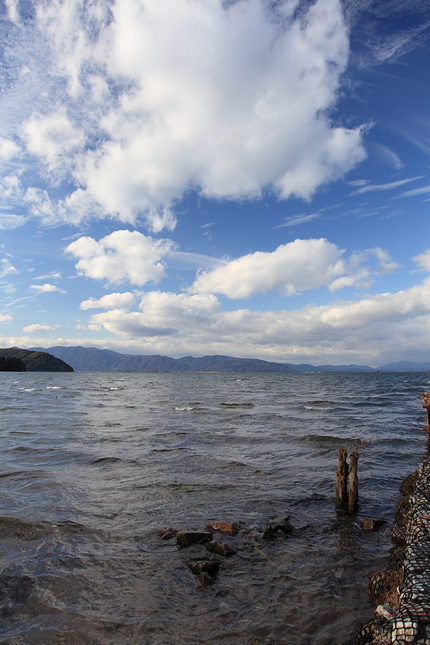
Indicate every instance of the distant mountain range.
{"type": "Point", "coordinates": [91, 359]}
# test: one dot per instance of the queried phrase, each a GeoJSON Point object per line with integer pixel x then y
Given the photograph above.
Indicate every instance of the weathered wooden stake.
{"type": "Point", "coordinates": [353, 483]}
{"type": "Point", "coordinates": [425, 396]}
{"type": "Point", "coordinates": [342, 479]}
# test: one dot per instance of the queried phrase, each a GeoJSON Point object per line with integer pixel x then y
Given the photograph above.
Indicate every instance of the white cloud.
{"type": "Point", "coordinates": [302, 264]}
{"type": "Point", "coordinates": [292, 267]}
{"type": "Point", "coordinates": [52, 275]}
{"type": "Point", "coordinates": [10, 188]}
{"type": "Point", "coordinates": [40, 205]}
{"type": "Point", "coordinates": [46, 288]}
{"type": "Point", "coordinates": [5, 318]}
{"type": "Point", "coordinates": [360, 272]}
{"type": "Point", "coordinates": [31, 329]}
{"type": "Point", "coordinates": [12, 10]}
{"type": "Point", "coordinates": [394, 324]}
{"type": "Point", "coordinates": [129, 324]}
{"type": "Point", "coordinates": [111, 300]}
{"type": "Point", "coordinates": [423, 260]}
{"type": "Point", "coordinates": [160, 313]}
{"type": "Point", "coordinates": [8, 149]}
{"type": "Point", "coordinates": [122, 256]}
{"type": "Point", "coordinates": [387, 306]}
{"type": "Point", "coordinates": [6, 268]}
{"type": "Point", "coordinates": [9, 221]}
{"type": "Point", "coordinates": [358, 182]}
{"type": "Point", "coordinates": [52, 137]}
{"type": "Point", "coordinates": [161, 97]}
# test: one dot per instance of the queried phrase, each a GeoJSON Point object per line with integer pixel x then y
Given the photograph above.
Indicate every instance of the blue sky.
{"type": "Point", "coordinates": [191, 177]}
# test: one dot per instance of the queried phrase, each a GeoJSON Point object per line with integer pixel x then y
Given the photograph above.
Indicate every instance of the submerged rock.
{"type": "Point", "coordinates": [209, 566]}
{"type": "Point", "coordinates": [370, 524]}
{"type": "Point", "coordinates": [278, 528]}
{"type": "Point", "coordinates": [221, 549]}
{"type": "Point", "coordinates": [192, 537]}
{"type": "Point", "coordinates": [14, 591]}
{"type": "Point", "coordinates": [205, 579]}
{"type": "Point", "coordinates": [167, 534]}
{"type": "Point", "coordinates": [222, 527]}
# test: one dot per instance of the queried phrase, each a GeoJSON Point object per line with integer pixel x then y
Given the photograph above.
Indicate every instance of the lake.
{"type": "Point", "coordinates": [95, 465]}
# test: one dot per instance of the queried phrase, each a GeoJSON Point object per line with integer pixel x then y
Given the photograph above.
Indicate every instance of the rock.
{"type": "Point", "coordinates": [209, 566]}
{"type": "Point", "coordinates": [278, 528]}
{"type": "Point", "coordinates": [385, 611]}
{"type": "Point", "coordinates": [222, 527]}
{"type": "Point", "coordinates": [14, 592]}
{"type": "Point", "coordinates": [220, 549]}
{"type": "Point", "coordinates": [205, 579]}
{"type": "Point", "coordinates": [192, 537]}
{"type": "Point", "coordinates": [369, 524]}
{"type": "Point", "coordinates": [167, 534]}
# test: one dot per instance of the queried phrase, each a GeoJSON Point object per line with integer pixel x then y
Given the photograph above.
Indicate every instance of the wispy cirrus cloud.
{"type": "Point", "coordinates": [416, 191]}
{"type": "Point", "coordinates": [390, 186]}
{"type": "Point", "coordinates": [299, 219]}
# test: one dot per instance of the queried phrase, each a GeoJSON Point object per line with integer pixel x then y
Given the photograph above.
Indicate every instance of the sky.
{"type": "Point", "coordinates": [195, 177]}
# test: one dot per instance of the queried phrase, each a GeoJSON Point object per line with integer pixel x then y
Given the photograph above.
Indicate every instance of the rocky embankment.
{"type": "Point", "coordinates": [401, 592]}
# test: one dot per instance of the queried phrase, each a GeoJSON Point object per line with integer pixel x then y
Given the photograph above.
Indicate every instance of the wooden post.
{"type": "Point", "coordinates": [353, 483]}
{"type": "Point", "coordinates": [341, 479]}
{"type": "Point", "coordinates": [425, 396]}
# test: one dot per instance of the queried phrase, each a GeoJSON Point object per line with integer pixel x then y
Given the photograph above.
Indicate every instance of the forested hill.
{"type": "Point", "coordinates": [91, 359]}
{"type": "Point", "coordinates": [37, 361]}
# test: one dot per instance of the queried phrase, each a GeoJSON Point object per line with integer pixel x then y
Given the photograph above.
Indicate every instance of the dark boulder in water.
{"type": "Point", "coordinates": [209, 566]}
{"type": "Point", "coordinates": [168, 534]}
{"type": "Point", "coordinates": [220, 549]}
{"type": "Point", "coordinates": [192, 537]}
{"type": "Point", "coordinates": [222, 527]}
{"type": "Point", "coordinates": [370, 524]}
{"type": "Point", "coordinates": [278, 528]}
{"type": "Point", "coordinates": [14, 591]}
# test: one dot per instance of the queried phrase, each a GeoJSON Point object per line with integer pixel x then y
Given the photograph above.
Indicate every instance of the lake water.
{"type": "Point", "coordinates": [94, 465]}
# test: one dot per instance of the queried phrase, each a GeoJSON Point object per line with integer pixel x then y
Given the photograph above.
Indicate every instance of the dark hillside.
{"type": "Point", "coordinates": [37, 361]}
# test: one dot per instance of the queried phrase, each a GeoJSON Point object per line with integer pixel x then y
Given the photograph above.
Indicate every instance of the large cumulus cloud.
{"type": "Point", "coordinates": [144, 100]}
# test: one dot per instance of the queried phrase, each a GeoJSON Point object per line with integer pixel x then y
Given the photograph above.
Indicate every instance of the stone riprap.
{"type": "Point", "coordinates": [402, 591]}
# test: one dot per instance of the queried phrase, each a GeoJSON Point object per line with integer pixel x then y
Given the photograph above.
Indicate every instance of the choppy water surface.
{"type": "Point", "coordinates": [94, 465]}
